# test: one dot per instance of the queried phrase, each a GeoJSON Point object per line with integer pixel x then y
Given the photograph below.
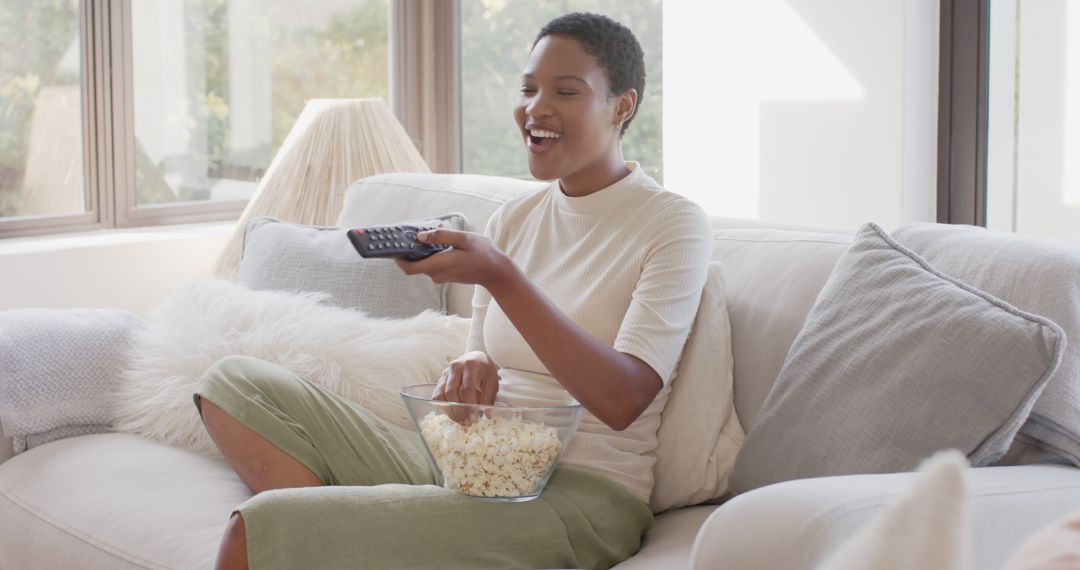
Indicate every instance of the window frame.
{"type": "Point", "coordinates": [127, 212]}
{"type": "Point", "coordinates": [108, 132]}
{"type": "Point", "coordinates": [425, 37]}
{"type": "Point", "coordinates": [93, 21]}
{"type": "Point", "coordinates": [963, 111]}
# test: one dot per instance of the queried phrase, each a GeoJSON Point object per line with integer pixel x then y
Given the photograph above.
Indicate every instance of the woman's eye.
{"type": "Point", "coordinates": [567, 92]}
{"type": "Point", "coordinates": [527, 89]}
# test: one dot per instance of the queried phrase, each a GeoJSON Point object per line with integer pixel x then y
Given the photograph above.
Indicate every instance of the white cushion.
{"type": "Point", "coordinates": [699, 433]}
{"type": "Point", "coordinates": [795, 525]}
{"type": "Point", "coordinates": [114, 501]}
{"type": "Point", "coordinates": [773, 277]}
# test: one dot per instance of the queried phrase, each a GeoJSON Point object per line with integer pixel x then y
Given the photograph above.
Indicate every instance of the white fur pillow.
{"type": "Point", "coordinates": [699, 433]}
{"type": "Point", "coordinates": [364, 359]}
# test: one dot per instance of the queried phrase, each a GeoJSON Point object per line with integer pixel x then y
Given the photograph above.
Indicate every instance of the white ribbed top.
{"type": "Point", "coordinates": [627, 264]}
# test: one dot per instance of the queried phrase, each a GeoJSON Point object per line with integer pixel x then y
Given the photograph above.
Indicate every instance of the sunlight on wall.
{"type": "Point", "coordinates": [759, 51]}
{"type": "Point", "coordinates": [820, 112]}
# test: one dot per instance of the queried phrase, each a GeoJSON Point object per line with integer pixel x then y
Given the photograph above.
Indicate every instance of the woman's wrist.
{"type": "Point", "coordinates": [503, 278]}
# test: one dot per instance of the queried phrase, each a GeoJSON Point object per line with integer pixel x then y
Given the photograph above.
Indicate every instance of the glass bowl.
{"type": "Point", "coordinates": [499, 453]}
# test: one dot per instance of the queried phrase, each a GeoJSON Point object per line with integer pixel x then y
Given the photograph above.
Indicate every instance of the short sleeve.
{"type": "Point", "coordinates": [481, 296]}
{"type": "Point", "coordinates": [666, 297]}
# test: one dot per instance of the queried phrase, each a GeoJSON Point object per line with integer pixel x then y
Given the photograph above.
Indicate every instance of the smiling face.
{"type": "Point", "coordinates": [568, 119]}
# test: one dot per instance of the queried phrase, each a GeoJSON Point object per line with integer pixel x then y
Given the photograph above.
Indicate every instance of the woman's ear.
{"type": "Point", "coordinates": [625, 106]}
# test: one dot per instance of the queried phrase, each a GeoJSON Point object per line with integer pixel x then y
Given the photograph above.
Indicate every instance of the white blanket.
{"type": "Point", "coordinates": [57, 370]}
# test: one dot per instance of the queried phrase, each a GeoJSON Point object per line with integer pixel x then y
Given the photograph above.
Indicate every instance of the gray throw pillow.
{"type": "Point", "coordinates": [58, 368]}
{"type": "Point", "coordinates": [1038, 275]}
{"type": "Point", "coordinates": [281, 256]}
{"type": "Point", "coordinates": [897, 361]}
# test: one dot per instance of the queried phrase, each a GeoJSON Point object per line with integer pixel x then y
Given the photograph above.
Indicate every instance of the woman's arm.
{"type": "Point", "coordinates": [614, 386]}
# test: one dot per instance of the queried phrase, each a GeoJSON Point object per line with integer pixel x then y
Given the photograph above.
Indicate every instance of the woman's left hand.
{"type": "Point", "coordinates": [473, 259]}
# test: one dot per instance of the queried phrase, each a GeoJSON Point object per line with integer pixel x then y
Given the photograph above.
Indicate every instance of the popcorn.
{"type": "Point", "coordinates": [493, 457]}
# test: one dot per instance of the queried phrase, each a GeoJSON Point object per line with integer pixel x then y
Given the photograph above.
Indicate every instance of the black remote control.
{"type": "Point", "coordinates": [393, 241]}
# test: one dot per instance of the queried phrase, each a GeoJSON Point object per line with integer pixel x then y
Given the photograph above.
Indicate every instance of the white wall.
{"type": "Point", "coordinates": [803, 111]}
{"type": "Point", "coordinates": [133, 269]}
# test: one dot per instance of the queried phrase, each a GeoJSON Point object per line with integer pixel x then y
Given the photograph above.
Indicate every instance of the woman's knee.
{"type": "Point", "coordinates": [232, 555]}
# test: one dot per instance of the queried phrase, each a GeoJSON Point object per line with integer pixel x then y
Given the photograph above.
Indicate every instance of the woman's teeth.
{"type": "Point", "coordinates": [542, 134]}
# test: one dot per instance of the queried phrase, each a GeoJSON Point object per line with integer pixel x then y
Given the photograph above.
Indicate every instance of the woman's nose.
{"type": "Point", "coordinates": [538, 106]}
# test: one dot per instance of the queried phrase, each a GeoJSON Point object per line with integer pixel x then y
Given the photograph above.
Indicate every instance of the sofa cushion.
{"type": "Point", "coordinates": [795, 525]}
{"type": "Point", "coordinates": [772, 277]}
{"type": "Point", "coordinates": [897, 361]}
{"type": "Point", "coordinates": [1038, 275]}
{"type": "Point", "coordinates": [699, 433]}
{"type": "Point", "coordinates": [400, 196]}
{"type": "Point", "coordinates": [277, 255]}
{"type": "Point", "coordinates": [57, 368]}
{"type": "Point", "coordinates": [113, 501]}
{"type": "Point", "coordinates": [667, 544]}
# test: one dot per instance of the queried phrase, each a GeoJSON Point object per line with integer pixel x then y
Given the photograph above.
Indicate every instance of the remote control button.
{"type": "Point", "coordinates": [371, 246]}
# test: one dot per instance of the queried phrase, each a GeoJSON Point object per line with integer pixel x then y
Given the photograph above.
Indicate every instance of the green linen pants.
{"type": "Point", "coordinates": [380, 508]}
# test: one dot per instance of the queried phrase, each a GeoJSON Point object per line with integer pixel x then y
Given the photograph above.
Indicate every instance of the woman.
{"type": "Point", "coordinates": [585, 290]}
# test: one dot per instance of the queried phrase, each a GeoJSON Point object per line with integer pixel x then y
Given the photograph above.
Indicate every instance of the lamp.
{"type": "Point", "coordinates": [334, 142]}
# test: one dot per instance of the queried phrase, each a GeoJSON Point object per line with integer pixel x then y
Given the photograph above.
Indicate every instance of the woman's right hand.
{"type": "Point", "coordinates": [471, 378]}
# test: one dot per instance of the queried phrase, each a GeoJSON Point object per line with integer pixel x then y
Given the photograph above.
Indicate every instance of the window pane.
{"type": "Point", "coordinates": [821, 113]}
{"type": "Point", "coordinates": [495, 41]}
{"type": "Point", "coordinates": [219, 83]}
{"type": "Point", "coordinates": [41, 144]}
{"type": "Point", "coordinates": [1033, 172]}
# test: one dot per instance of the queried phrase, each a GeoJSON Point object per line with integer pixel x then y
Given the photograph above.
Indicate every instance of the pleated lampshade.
{"type": "Point", "coordinates": [333, 143]}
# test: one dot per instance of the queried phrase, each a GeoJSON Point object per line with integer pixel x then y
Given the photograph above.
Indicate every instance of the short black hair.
{"type": "Point", "coordinates": [612, 44]}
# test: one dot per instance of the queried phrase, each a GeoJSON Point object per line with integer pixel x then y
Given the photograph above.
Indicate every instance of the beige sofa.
{"type": "Point", "coordinates": [117, 501]}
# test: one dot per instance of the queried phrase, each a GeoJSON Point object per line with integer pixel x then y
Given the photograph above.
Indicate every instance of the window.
{"type": "Point", "coordinates": [818, 113]}
{"type": "Point", "coordinates": [41, 111]}
{"type": "Point", "coordinates": [219, 83]}
{"type": "Point", "coordinates": [496, 37]}
{"type": "Point", "coordinates": [186, 101]}
{"type": "Point", "coordinates": [769, 109]}
{"type": "Point", "coordinates": [1033, 170]}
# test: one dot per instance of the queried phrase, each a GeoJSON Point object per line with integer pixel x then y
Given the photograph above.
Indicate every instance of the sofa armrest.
{"type": "Point", "coordinates": [797, 524]}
